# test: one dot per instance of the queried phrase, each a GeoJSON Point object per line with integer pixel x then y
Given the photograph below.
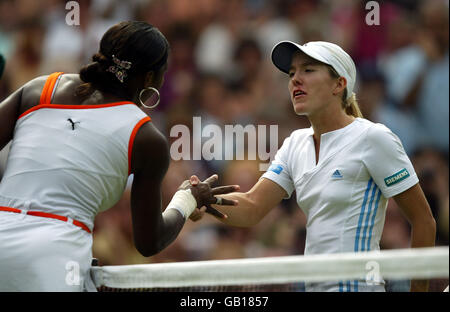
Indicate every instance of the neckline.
{"type": "Point", "coordinates": [73, 106]}
{"type": "Point", "coordinates": [337, 131]}
{"type": "Point", "coordinates": [324, 138]}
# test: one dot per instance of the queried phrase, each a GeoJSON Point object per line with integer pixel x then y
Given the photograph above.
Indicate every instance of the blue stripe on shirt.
{"type": "Point", "coordinates": [349, 286]}
{"type": "Point", "coordinates": [373, 219]}
{"type": "Point", "coordinates": [361, 215]}
{"type": "Point", "coordinates": [366, 223]}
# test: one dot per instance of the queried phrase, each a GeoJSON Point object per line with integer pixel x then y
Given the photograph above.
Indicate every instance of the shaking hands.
{"type": "Point", "coordinates": [206, 195]}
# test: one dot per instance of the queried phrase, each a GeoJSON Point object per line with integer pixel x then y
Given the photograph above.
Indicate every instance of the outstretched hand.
{"type": "Point", "coordinates": [205, 195]}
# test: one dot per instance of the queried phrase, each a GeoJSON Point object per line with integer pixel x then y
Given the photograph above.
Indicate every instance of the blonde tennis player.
{"type": "Point", "coordinates": [75, 140]}
{"type": "Point", "coordinates": [343, 168]}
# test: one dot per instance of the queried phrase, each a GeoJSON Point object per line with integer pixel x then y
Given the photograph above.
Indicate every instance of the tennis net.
{"type": "Point", "coordinates": [287, 273]}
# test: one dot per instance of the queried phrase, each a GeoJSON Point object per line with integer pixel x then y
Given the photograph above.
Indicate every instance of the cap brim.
{"type": "Point", "coordinates": [283, 51]}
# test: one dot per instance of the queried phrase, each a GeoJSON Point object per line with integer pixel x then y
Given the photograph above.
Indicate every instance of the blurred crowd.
{"type": "Point", "coordinates": [220, 70]}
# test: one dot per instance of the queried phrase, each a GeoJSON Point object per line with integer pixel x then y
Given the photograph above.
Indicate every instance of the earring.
{"type": "Point", "coordinates": [154, 90]}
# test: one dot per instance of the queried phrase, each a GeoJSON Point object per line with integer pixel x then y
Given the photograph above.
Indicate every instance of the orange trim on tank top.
{"type": "Point", "coordinates": [46, 96]}
{"type": "Point", "coordinates": [132, 137]}
{"type": "Point", "coordinates": [47, 91]}
{"type": "Point", "coordinates": [62, 106]}
{"type": "Point", "coordinates": [46, 215]}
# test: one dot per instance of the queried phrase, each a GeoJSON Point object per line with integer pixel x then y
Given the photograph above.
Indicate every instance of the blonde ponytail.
{"type": "Point", "coordinates": [351, 105]}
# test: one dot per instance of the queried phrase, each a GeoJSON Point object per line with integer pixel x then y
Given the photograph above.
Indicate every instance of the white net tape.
{"type": "Point", "coordinates": [418, 263]}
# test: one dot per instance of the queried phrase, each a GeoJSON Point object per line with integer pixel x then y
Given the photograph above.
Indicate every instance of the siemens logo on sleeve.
{"type": "Point", "coordinates": [396, 177]}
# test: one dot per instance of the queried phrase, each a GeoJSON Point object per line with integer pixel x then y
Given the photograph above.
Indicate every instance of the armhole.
{"type": "Point", "coordinates": [132, 137]}
{"type": "Point", "coordinates": [58, 79]}
{"type": "Point", "coordinates": [49, 88]}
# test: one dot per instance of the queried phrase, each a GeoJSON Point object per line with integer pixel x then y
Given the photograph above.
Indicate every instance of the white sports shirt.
{"type": "Point", "coordinates": [74, 168]}
{"type": "Point", "coordinates": [345, 195]}
{"type": "Point", "coordinates": [69, 162]}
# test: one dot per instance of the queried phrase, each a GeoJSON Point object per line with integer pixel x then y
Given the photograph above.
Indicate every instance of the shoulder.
{"type": "Point", "coordinates": [380, 137]}
{"type": "Point", "coordinates": [35, 85]}
{"type": "Point", "coordinates": [300, 134]}
{"type": "Point", "coordinates": [150, 150]}
{"type": "Point", "coordinates": [293, 142]}
{"type": "Point", "coordinates": [32, 90]}
{"type": "Point", "coordinates": [378, 131]}
{"type": "Point", "coordinates": [148, 133]}
{"type": "Point", "coordinates": [31, 93]}
{"type": "Point", "coordinates": [70, 79]}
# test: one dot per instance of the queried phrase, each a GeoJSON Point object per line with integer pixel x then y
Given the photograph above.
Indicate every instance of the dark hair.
{"type": "Point", "coordinates": [137, 42]}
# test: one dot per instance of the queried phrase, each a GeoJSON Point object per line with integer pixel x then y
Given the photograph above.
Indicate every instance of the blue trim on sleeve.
{"type": "Point", "coordinates": [276, 168]}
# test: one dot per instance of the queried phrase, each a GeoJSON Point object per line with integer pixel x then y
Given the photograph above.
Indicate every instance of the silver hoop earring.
{"type": "Point", "coordinates": [154, 90]}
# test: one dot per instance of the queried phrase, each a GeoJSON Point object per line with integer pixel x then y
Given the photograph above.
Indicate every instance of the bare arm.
{"type": "Point", "coordinates": [150, 160]}
{"type": "Point", "coordinates": [15, 104]}
{"type": "Point", "coordinates": [154, 230]}
{"type": "Point", "coordinates": [9, 111]}
{"type": "Point", "coordinates": [252, 206]}
{"type": "Point", "coordinates": [415, 207]}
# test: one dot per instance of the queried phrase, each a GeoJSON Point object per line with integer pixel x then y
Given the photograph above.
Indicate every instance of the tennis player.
{"type": "Point", "coordinates": [343, 168]}
{"type": "Point", "coordinates": [76, 138]}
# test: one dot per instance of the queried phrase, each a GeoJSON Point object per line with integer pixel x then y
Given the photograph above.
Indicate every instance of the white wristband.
{"type": "Point", "coordinates": [184, 202]}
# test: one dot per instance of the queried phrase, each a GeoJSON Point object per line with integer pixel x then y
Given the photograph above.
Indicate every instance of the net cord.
{"type": "Point", "coordinates": [417, 263]}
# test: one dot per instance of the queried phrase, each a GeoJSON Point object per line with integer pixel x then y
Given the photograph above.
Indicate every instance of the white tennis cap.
{"type": "Point", "coordinates": [325, 52]}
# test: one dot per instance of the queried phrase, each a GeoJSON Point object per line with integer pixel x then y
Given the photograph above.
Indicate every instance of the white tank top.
{"type": "Point", "coordinates": [70, 160]}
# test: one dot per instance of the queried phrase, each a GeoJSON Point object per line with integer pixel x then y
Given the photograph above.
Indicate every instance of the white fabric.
{"type": "Point", "coordinates": [42, 254]}
{"type": "Point", "coordinates": [70, 170]}
{"type": "Point", "coordinates": [325, 52]}
{"type": "Point", "coordinates": [345, 195]}
{"type": "Point", "coordinates": [184, 202]}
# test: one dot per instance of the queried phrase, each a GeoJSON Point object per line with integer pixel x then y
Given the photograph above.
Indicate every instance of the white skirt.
{"type": "Point", "coordinates": [41, 254]}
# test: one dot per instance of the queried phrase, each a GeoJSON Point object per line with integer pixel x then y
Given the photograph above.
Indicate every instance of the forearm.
{"type": "Point", "coordinates": [150, 239]}
{"type": "Point", "coordinates": [245, 214]}
{"type": "Point", "coordinates": [422, 235]}
{"type": "Point", "coordinates": [252, 205]}
{"type": "Point", "coordinates": [415, 207]}
{"type": "Point", "coordinates": [174, 217]}
{"type": "Point", "coordinates": [171, 224]}
{"type": "Point", "coordinates": [155, 230]}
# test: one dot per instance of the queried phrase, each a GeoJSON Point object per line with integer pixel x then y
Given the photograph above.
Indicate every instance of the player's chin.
{"type": "Point", "coordinates": [300, 108]}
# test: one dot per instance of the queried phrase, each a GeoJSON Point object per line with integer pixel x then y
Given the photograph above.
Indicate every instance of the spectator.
{"type": "Point", "coordinates": [220, 70]}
